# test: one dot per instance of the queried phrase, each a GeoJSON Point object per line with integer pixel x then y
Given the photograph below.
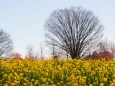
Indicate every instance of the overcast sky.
{"type": "Point", "coordinates": [24, 19]}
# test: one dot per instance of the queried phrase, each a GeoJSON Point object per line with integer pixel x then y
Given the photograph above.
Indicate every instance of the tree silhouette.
{"type": "Point", "coordinates": [6, 44]}
{"type": "Point", "coordinates": [74, 30]}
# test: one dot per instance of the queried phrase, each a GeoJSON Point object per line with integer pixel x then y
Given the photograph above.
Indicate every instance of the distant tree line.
{"type": "Point", "coordinates": [72, 32]}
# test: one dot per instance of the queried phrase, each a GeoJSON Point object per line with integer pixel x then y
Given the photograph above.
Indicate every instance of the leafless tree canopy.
{"type": "Point", "coordinates": [6, 44]}
{"type": "Point", "coordinates": [74, 30]}
{"type": "Point", "coordinates": [30, 51]}
{"type": "Point", "coordinates": [105, 45]}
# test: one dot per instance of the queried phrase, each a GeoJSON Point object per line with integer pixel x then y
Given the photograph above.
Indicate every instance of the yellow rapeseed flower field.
{"type": "Point", "coordinates": [57, 72]}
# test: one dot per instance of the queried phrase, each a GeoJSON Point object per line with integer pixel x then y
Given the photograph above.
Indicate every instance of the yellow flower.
{"type": "Point", "coordinates": [25, 84]}
{"type": "Point", "coordinates": [5, 85]}
{"type": "Point", "coordinates": [105, 79]}
{"type": "Point", "coordinates": [43, 85]}
{"type": "Point", "coordinates": [5, 75]}
{"type": "Point", "coordinates": [21, 74]}
{"type": "Point", "coordinates": [112, 84]}
{"type": "Point", "coordinates": [61, 82]}
{"type": "Point", "coordinates": [114, 76]}
{"type": "Point", "coordinates": [46, 74]}
{"type": "Point", "coordinates": [113, 80]}
{"type": "Point", "coordinates": [36, 82]}
{"type": "Point", "coordinates": [32, 79]}
{"type": "Point", "coordinates": [47, 83]}
{"type": "Point", "coordinates": [102, 84]}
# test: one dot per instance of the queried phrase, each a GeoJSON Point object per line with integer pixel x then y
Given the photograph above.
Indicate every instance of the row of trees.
{"type": "Point", "coordinates": [73, 31]}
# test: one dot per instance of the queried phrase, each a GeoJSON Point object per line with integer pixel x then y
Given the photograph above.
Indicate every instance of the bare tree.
{"type": "Point", "coordinates": [30, 51]}
{"type": "Point", "coordinates": [37, 55]}
{"type": "Point", "coordinates": [41, 51]}
{"type": "Point", "coordinates": [105, 45]}
{"type": "Point", "coordinates": [6, 44]}
{"type": "Point", "coordinates": [74, 30]}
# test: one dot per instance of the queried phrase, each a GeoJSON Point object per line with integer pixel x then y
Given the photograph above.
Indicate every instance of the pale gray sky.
{"type": "Point", "coordinates": [24, 19]}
